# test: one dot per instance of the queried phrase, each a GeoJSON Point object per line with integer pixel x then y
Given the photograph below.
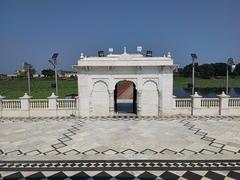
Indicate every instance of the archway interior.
{"type": "Point", "coordinates": [125, 97]}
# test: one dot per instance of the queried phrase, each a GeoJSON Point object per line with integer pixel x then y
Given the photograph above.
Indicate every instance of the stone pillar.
{"type": "Point", "coordinates": [77, 106]}
{"type": "Point", "coordinates": [223, 103]}
{"type": "Point", "coordinates": [52, 102]}
{"type": "Point", "coordinates": [25, 104]}
{"type": "Point", "coordinates": [196, 103]}
{"type": "Point", "coordinates": [174, 102]}
{"type": "Point", "coordinates": [1, 104]}
{"type": "Point", "coordinates": [139, 103]}
{"type": "Point", "coordinates": [159, 104]}
{"type": "Point", "coordinates": [111, 102]}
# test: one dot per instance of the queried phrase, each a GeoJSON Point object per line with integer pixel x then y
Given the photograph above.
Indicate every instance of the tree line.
{"type": "Point", "coordinates": [208, 71]}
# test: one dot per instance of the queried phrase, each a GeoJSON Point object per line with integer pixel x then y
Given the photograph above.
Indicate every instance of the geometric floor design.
{"type": "Point", "coordinates": [213, 145]}
{"type": "Point", "coordinates": [124, 175]}
{"type": "Point", "coordinates": [121, 169]}
{"type": "Point", "coordinates": [120, 147]}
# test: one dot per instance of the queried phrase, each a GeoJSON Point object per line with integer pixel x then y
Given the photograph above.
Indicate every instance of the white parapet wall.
{"type": "Point", "coordinates": [27, 107]}
{"type": "Point", "coordinates": [197, 105]}
{"type": "Point", "coordinates": [54, 107]}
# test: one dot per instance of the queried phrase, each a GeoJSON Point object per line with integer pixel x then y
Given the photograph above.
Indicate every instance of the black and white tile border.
{"type": "Point", "coordinates": [123, 175]}
{"type": "Point", "coordinates": [165, 169]}
{"type": "Point", "coordinates": [123, 165]}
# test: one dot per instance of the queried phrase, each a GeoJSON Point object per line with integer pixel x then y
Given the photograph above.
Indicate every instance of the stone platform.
{"type": "Point", "coordinates": [152, 146]}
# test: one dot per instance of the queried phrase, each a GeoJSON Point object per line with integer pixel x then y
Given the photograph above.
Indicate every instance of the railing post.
{"type": "Point", "coordinates": [196, 103]}
{"type": "Point", "coordinates": [223, 103]}
{"type": "Point", "coordinates": [77, 105]}
{"type": "Point", "coordinates": [111, 102]}
{"type": "Point", "coordinates": [25, 103]}
{"type": "Point", "coordinates": [52, 102]}
{"type": "Point", "coordinates": [1, 104]}
{"type": "Point", "coordinates": [174, 102]}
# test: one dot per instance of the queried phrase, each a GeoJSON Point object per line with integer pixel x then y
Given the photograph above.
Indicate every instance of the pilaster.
{"type": "Point", "coordinates": [139, 103]}
{"type": "Point", "coordinates": [25, 102]}
{"type": "Point", "coordinates": [196, 103]}
{"type": "Point", "coordinates": [223, 103]}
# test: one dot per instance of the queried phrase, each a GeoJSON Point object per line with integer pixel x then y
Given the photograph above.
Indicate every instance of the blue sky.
{"type": "Point", "coordinates": [31, 30]}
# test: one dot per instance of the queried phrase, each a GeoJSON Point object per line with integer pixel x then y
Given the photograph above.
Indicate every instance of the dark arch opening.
{"type": "Point", "coordinates": [125, 97]}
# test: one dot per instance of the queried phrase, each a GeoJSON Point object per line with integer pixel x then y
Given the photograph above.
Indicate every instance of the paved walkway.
{"type": "Point", "coordinates": [120, 148]}
{"type": "Point", "coordinates": [124, 137]}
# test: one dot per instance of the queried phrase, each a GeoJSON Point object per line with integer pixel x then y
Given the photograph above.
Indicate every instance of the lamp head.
{"type": "Point", "coordinates": [194, 56]}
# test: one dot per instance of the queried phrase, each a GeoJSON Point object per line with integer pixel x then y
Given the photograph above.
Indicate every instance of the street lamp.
{"type": "Point", "coordinates": [194, 57]}
{"type": "Point", "coordinates": [230, 63]}
{"type": "Point", "coordinates": [26, 68]}
{"type": "Point", "coordinates": [53, 61]}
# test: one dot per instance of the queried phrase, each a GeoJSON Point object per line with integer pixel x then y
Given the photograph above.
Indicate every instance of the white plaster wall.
{"type": "Point", "coordinates": [100, 99]}
{"type": "Point", "coordinates": [39, 113]}
{"type": "Point", "coordinates": [166, 91]}
{"type": "Point", "coordinates": [83, 94]}
{"type": "Point", "coordinates": [150, 99]}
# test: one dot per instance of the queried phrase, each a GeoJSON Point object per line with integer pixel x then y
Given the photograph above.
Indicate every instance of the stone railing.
{"type": "Point", "coordinates": [183, 102]}
{"type": "Point", "coordinates": [26, 106]}
{"type": "Point", "coordinates": [234, 102]}
{"type": "Point", "coordinates": [39, 104]}
{"type": "Point", "coordinates": [196, 105]}
{"type": "Point", "coordinates": [66, 103]}
{"type": "Point", "coordinates": [209, 102]}
{"type": "Point", "coordinates": [11, 104]}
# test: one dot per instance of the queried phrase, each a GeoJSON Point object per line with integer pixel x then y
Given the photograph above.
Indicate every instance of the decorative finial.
{"type": "Point", "coordinates": [110, 50]}
{"type": "Point", "coordinates": [125, 50]}
{"type": "Point", "coordinates": [81, 57]}
{"type": "Point", "coordinates": [169, 55]}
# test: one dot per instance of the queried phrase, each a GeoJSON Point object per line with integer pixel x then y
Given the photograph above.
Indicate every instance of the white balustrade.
{"type": "Point", "coordinates": [234, 102]}
{"type": "Point", "coordinates": [66, 103]}
{"type": "Point", "coordinates": [11, 104]}
{"type": "Point", "coordinates": [183, 102]}
{"type": "Point", "coordinates": [209, 102]}
{"type": "Point", "coordinates": [39, 104]}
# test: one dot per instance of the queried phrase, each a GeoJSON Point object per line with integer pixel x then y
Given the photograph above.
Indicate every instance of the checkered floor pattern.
{"type": "Point", "coordinates": [121, 175]}
{"type": "Point", "coordinates": [120, 169]}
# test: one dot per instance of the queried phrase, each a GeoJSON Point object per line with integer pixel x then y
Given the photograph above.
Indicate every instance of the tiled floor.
{"type": "Point", "coordinates": [120, 147]}
{"type": "Point", "coordinates": [124, 137]}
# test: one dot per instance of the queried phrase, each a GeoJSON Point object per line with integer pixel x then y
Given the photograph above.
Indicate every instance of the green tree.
{"type": "Point", "coordinates": [48, 72]}
{"type": "Point", "coordinates": [237, 69]}
{"type": "Point", "coordinates": [187, 70]}
{"type": "Point", "coordinates": [219, 69]}
{"type": "Point", "coordinates": [206, 71]}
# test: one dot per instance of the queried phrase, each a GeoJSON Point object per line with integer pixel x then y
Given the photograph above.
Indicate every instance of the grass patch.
{"type": "Point", "coordinates": [41, 88]}
{"type": "Point", "coordinates": [182, 82]}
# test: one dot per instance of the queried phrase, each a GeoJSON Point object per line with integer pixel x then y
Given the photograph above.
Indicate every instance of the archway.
{"type": "Point", "coordinates": [125, 97]}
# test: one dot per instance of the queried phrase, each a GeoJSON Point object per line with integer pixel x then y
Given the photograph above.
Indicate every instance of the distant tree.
{"type": "Point", "coordinates": [187, 70]}
{"type": "Point", "coordinates": [206, 71]}
{"type": "Point", "coordinates": [219, 69]}
{"type": "Point", "coordinates": [48, 72]}
{"type": "Point", "coordinates": [237, 69]}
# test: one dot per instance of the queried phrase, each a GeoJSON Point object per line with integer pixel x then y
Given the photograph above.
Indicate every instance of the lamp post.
{"type": "Point", "coordinates": [26, 68]}
{"type": "Point", "coordinates": [194, 57]}
{"type": "Point", "coordinates": [53, 61]}
{"type": "Point", "coordinates": [230, 63]}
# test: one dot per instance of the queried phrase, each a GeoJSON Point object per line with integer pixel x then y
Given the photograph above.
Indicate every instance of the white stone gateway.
{"type": "Point", "coordinates": [152, 78]}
